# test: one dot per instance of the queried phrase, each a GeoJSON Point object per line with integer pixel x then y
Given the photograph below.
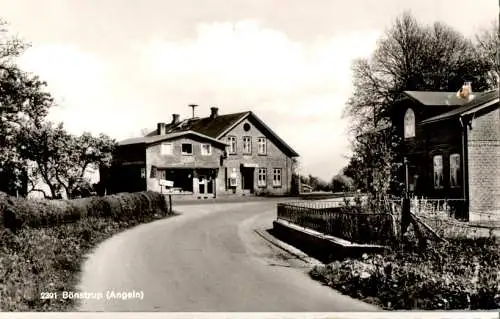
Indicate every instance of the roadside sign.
{"type": "Point", "coordinates": [166, 183]}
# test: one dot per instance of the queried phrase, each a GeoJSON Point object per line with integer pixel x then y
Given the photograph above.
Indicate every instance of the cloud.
{"type": "Point", "coordinates": [298, 88]}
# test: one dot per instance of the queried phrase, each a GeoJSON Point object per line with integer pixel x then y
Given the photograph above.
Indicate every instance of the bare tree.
{"type": "Point", "coordinates": [488, 46]}
{"type": "Point", "coordinates": [410, 56]}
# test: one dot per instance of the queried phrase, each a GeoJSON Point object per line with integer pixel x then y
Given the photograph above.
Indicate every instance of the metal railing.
{"type": "Point", "coordinates": [347, 222]}
{"type": "Point", "coordinates": [432, 208]}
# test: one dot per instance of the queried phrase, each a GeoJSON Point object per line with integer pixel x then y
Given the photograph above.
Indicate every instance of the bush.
{"type": "Point", "coordinates": [19, 212]}
{"type": "Point", "coordinates": [461, 274]}
{"type": "Point", "coordinates": [48, 259]}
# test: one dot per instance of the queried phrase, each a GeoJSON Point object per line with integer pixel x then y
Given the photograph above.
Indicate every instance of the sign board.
{"type": "Point", "coordinates": [166, 183]}
{"type": "Point", "coordinates": [250, 165]}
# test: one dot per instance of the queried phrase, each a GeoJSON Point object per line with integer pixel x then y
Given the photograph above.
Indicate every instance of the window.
{"type": "Point", "coordinates": [231, 140]}
{"type": "Point", "coordinates": [166, 149]}
{"type": "Point", "coordinates": [455, 170]}
{"type": "Point", "coordinates": [247, 145]}
{"type": "Point", "coordinates": [277, 177]}
{"type": "Point", "coordinates": [261, 141]}
{"type": "Point", "coordinates": [161, 174]}
{"type": "Point", "coordinates": [206, 149]}
{"type": "Point", "coordinates": [261, 177]}
{"type": "Point", "coordinates": [438, 171]}
{"type": "Point", "coordinates": [187, 149]}
{"type": "Point", "coordinates": [153, 172]}
{"type": "Point", "coordinates": [409, 123]}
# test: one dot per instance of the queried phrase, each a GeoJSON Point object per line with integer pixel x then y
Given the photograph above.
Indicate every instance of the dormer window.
{"type": "Point", "coordinates": [409, 123]}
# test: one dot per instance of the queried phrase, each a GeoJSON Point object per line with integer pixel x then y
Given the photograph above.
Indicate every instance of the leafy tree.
{"type": "Point", "coordinates": [341, 183]}
{"type": "Point", "coordinates": [61, 160]}
{"type": "Point", "coordinates": [410, 56]}
{"type": "Point", "coordinates": [23, 103]}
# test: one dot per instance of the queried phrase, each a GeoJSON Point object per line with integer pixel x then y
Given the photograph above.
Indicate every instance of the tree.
{"type": "Point", "coordinates": [410, 56]}
{"type": "Point", "coordinates": [488, 44]}
{"type": "Point", "coordinates": [341, 183]}
{"type": "Point", "coordinates": [61, 160]}
{"type": "Point", "coordinates": [23, 103]}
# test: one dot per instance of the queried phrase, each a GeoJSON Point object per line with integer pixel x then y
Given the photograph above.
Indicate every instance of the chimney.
{"type": "Point", "coordinates": [175, 118]}
{"type": "Point", "coordinates": [162, 129]}
{"type": "Point", "coordinates": [214, 111]}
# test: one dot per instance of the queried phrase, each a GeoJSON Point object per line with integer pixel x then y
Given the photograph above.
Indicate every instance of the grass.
{"type": "Point", "coordinates": [36, 260]}
{"type": "Point", "coordinates": [461, 274]}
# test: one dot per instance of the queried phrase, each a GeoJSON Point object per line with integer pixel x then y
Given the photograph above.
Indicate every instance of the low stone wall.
{"type": "Point", "coordinates": [323, 248]}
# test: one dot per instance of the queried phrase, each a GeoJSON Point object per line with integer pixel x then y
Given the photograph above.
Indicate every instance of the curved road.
{"type": "Point", "coordinates": [207, 259]}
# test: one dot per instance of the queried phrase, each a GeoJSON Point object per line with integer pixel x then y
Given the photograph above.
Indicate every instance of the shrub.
{"type": "Point", "coordinates": [48, 259]}
{"type": "Point", "coordinates": [19, 213]}
{"type": "Point", "coordinates": [460, 274]}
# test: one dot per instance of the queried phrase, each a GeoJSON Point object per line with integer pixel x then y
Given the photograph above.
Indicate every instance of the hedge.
{"type": "Point", "coordinates": [36, 259]}
{"type": "Point", "coordinates": [20, 213]}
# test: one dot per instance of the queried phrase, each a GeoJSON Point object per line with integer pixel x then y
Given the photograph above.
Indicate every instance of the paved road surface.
{"type": "Point", "coordinates": [208, 259]}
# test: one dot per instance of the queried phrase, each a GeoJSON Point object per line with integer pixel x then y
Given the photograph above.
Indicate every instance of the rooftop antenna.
{"type": "Point", "coordinates": [193, 106]}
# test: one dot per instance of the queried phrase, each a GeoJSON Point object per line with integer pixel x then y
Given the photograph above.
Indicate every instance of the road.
{"type": "Point", "coordinates": [207, 259]}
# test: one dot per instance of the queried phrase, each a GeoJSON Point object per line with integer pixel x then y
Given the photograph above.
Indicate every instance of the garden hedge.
{"type": "Point", "coordinates": [20, 213]}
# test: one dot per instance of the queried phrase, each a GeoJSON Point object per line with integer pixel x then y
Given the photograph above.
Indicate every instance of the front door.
{"type": "Point", "coordinates": [247, 175]}
{"type": "Point", "coordinates": [205, 185]}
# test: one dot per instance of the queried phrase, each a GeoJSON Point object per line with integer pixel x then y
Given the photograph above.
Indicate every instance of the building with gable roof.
{"type": "Point", "coordinates": [451, 144]}
{"type": "Point", "coordinates": [221, 154]}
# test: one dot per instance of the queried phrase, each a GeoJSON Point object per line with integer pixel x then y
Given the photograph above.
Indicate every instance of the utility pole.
{"type": "Point", "coordinates": [193, 106]}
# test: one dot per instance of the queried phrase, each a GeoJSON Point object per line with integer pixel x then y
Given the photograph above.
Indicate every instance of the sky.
{"type": "Point", "coordinates": [120, 66]}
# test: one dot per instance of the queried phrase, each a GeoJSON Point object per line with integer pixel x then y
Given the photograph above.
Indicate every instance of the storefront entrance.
{"type": "Point", "coordinates": [247, 175]}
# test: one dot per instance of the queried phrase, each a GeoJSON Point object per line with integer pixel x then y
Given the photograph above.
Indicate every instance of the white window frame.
{"type": "Point", "coordinates": [247, 145]}
{"type": "Point", "coordinates": [437, 170]}
{"type": "Point", "coordinates": [186, 153]}
{"type": "Point", "coordinates": [204, 151]}
{"type": "Point", "coordinates": [262, 143]}
{"type": "Point", "coordinates": [409, 123]}
{"type": "Point", "coordinates": [231, 140]}
{"type": "Point", "coordinates": [277, 177]}
{"type": "Point", "coordinates": [166, 149]}
{"type": "Point", "coordinates": [455, 170]}
{"type": "Point", "coordinates": [262, 177]}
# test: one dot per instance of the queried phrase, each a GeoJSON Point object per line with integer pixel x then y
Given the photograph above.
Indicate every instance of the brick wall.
{"type": "Point", "coordinates": [274, 158]}
{"type": "Point", "coordinates": [484, 166]}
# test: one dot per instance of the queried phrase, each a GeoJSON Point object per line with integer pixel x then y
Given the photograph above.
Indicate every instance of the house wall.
{"type": "Point", "coordinates": [274, 158]}
{"type": "Point", "coordinates": [442, 138]}
{"type": "Point", "coordinates": [125, 174]}
{"type": "Point", "coordinates": [178, 160]}
{"type": "Point", "coordinates": [483, 145]}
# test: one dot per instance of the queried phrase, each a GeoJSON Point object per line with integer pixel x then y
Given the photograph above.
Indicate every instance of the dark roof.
{"type": "Point", "coordinates": [432, 98]}
{"type": "Point", "coordinates": [208, 127]}
{"type": "Point", "coordinates": [480, 99]}
{"type": "Point", "coordinates": [157, 138]}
